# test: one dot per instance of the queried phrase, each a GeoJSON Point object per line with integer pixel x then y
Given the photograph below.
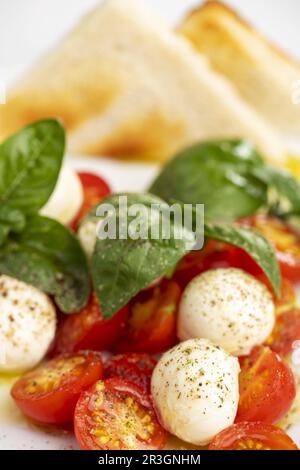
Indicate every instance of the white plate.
{"type": "Point", "coordinates": [16, 432]}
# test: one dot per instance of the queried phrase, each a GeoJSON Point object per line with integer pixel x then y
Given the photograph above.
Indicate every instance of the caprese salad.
{"type": "Point", "coordinates": [132, 341]}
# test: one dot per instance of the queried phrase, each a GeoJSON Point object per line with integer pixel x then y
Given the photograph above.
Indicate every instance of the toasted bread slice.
{"type": "Point", "coordinates": [124, 84]}
{"type": "Point", "coordinates": [265, 77]}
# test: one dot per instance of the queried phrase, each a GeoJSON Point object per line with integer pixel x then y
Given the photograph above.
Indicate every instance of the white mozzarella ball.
{"type": "Point", "coordinates": [66, 199]}
{"type": "Point", "coordinates": [87, 235]}
{"type": "Point", "coordinates": [195, 390]}
{"type": "Point", "coordinates": [27, 325]}
{"type": "Point", "coordinates": [228, 306]}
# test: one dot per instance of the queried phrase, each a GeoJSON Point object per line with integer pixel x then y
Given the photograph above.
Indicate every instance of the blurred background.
{"type": "Point", "coordinates": [28, 27]}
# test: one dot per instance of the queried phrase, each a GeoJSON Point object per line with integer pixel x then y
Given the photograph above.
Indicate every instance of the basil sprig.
{"type": "Point", "coordinates": [46, 254]}
{"type": "Point", "coordinates": [219, 175]}
{"type": "Point", "coordinates": [123, 267]}
{"type": "Point", "coordinates": [34, 249]}
{"type": "Point", "coordinates": [231, 179]}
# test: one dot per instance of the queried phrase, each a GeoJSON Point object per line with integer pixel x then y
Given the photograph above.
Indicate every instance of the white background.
{"type": "Point", "coordinates": [29, 27]}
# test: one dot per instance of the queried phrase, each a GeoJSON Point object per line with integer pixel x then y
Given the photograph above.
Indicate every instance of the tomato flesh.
{"type": "Point", "coordinates": [94, 189]}
{"type": "Point", "coordinates": [88, 329]}
{"type": "Point", "coordinates": [288, 297]}
{"type": "Point", "coordinates": [133, 367]}
{"type": "Point", "coordinates": [267, 387]}
{"type": "Point", "coordinates": [114, 415]}
{"type": "Point", "coordinates": [252, 436]}
{"type": "Point", "coordinates": [152, 320]}
{"type": "Point", "coordinates": [49, 393]}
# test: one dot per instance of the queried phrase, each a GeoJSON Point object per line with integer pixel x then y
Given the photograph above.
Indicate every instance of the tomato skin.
{"type": "Point", "coordinates": [103, 412]}
{"type": "Point", "coordinates": [214, 255]}
{"type": "Point", "coordinates": [133, 367]}
{"type": "Point", "coordinates": [55, 403]}
{"type": "Point", "coordinates": [94, 189]}
{"type": "Point", "coordinates": [151, 326]}
{"type": "Point", "coordinates": [286, 332]}
{"type": "Point", "coordinates": [267, 387]}
{"type": "Point", "coordinates": [88, 330]}
{"type": "Point", "coordinates": [285, 240]}
{"type": "Point", "coordinates": [252, 436]}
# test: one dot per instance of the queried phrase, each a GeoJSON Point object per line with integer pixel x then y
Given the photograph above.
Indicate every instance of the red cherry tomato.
{"type": "Point", "coordinates": [285, 240]}
{"type": "Point", "coordinates": [214, 255]}
{"type": "Point", "coordinates": [252, 436]}
{"type": "Point", "coordinates": [49, 393]}
{"type": "Point", "coordinates": [152, 320]}
{"type": "Point", "coordinates": [286, 332]}
{"type": "Point", "coordinates": [267, 387]}
{"type": "Point", "coordinates": [88, 329]}
{"type": "Point", "coordinates": [94, 189]}
{"type": "Point", "coordinates": [117, 415]}
{"type": "Point", "coordinates": [133, 367]}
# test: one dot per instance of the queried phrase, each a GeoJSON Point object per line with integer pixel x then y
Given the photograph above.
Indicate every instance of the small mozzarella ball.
{"type": "Point", "coordinates": [195, 390]}
{"type": "Point", "coordinates": [87, 235]}
{"type": "Point", "coordinates": [27, 325]}
{"type": "Point", "coordinates": [228, 306]}
{"type": "Point", "coordinates": [66, 199]}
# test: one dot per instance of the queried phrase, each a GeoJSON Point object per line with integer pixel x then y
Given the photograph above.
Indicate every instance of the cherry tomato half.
{"type": "Point", "coordinates": [152, 320]}
{"type": "Point", "coordinates": [94, 189]}
{"type": "Point", "coordinates": [286, 332]}
{"type": "Point", "coordinates": [133, 367]}
{"type": "Point", "coordinates": [88, 330]}
{"type": "Point", "coordinates": [117, 415]}
{"type": "Point", "coordinates": [267, 387]}
{"type": "Point", "coordinates": [49, 393]}
{"type": "Point", "coordinates": [252, 436]}
{"type": "Point", "coordinates": [285, 240]}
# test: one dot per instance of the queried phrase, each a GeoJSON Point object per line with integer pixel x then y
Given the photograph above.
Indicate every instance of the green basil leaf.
{"type": "Point", "coordinates": [284, 190]}
{"type": "Point", "coordinates": [30, 161]}
{"type": "Point", "coordinates": [123, 267]}
{"type": "Point", "coordinates": [253, 243]}
{"type": "Point", "coordinates": [217, 174]}
{"type": "Point", "coordinates": [14, 219]}
{"type": "Point", "coordinates": [11, 220]}
{"type": "Point", "coordinates": [4, 232]}
{"type": "Point", "coordinates": [47, 255]}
